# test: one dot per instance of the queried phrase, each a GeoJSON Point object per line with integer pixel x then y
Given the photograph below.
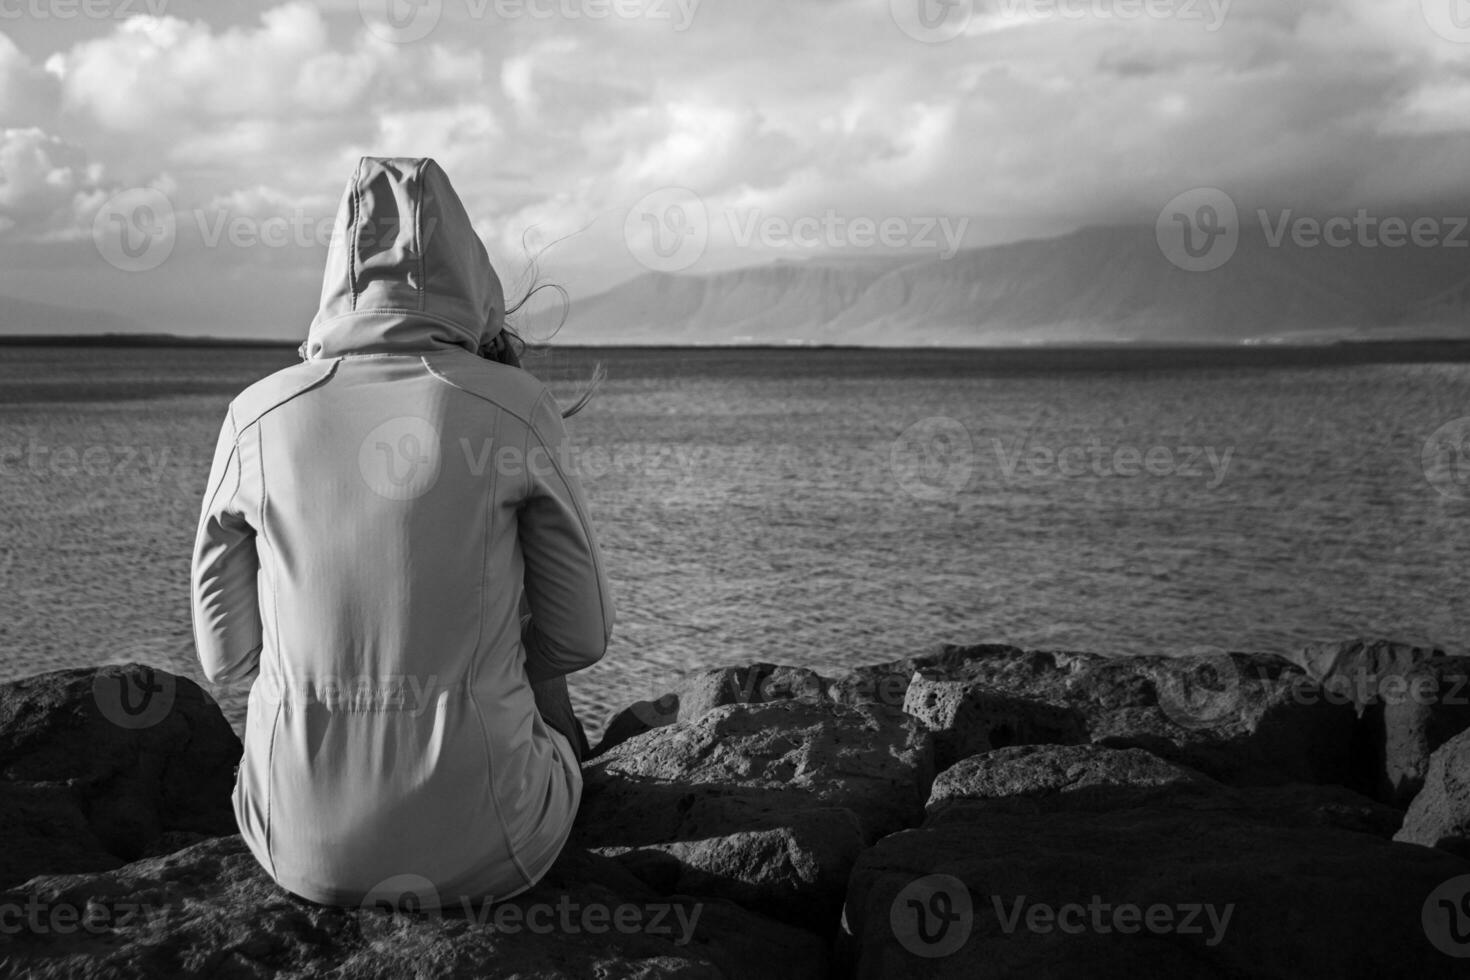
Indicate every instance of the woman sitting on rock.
{"type": "Point", "coordinates": [395, 550]}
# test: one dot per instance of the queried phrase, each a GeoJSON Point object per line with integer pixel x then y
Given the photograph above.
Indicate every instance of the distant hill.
{"type": "Point", "coordinates": [1097, 285]}
{"type": "Point", "coordinates": [137, 340]}
{"type": "Point", "coordinates": [18, 316]}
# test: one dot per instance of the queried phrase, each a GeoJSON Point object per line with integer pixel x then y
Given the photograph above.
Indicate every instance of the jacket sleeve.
{"type": "Point", "coordinates": [566, 589]}
{"type": "Point", "coordinates": [226, 613]}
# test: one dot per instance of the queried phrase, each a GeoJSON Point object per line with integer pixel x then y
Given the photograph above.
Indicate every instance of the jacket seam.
{"type": "Point", "coordinates": [235, 453]}
{"type": "Point", "coordinates": [209, 504]}
{"type": "Point", "coordinates": [351, 243]}
{"type": "Point", "coordinates": [470, 391]}
{"type": "Point", "coordinates": [583, 518]}
{"type": "Point", "coordinates": [294, 393]}
{"type": "Point", "coordinates": [235, 456]}
{"type": "Point", "coordinates": [401, 310]}
{"type": "Point", "coordinates": [275, 627]}
{"type": "Point", "coordinates": [418, 233]}
{"type": "Point", "coordinates": [510, 844]}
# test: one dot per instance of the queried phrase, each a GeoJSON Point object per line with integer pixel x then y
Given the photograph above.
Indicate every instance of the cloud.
{"type": "Point", "coordinates": [1043, 116]}
{"type": "Point", "coordinates": [161, 74]}
{"type": "Point", "coordinates": [28, 94]}
{"type": "Point", "coordinates": [47, 185]}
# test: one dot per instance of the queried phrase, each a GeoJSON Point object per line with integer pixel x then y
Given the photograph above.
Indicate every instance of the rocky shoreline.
{"type": "Point", "coordinates": [980, 811]}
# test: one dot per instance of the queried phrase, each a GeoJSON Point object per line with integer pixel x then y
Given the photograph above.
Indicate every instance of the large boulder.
{"type": "Point", "coordinates": [99, 765]}
{"type": "Point", "coordinates": [767, 804]}
{"type": "Point", "coordinates": [704, 690]}
{"type": "Point", "coordinates": [210, 911]}
{"type": "Point", "coordinates": [1241, 718]}
{"type": "Point", "coordinates": [1355, 667]}
{"type": "Point", "coordinates": [757, 683]}
{"type": "Point", "coordinates": [1086, 861]}
{"type": "Point", "coordinates": [967, 717]}
{"type": "Point", "coordinates": [1413, 718]}
{"type": "Point", "coordinates": [1041, 777]}
{"type": "Point", "coordinates": [1046, 779]}
{"type": "Point", "coordinates": [1409, 700]}
{"type": "Point", "coordinates": [1440, 814]}
{"type": "Point", "coordinates": [637, 718]}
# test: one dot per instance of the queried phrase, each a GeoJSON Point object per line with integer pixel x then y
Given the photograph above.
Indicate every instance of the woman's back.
{"type": "Point", "coordinates": [396, 491]}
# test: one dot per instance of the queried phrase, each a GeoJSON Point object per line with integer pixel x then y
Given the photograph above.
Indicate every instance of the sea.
{"type": "Point", "coordinates": [829, 508]}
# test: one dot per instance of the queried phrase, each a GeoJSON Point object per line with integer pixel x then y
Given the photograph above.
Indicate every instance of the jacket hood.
{"type": "Point", "coordinates": [405, 269]}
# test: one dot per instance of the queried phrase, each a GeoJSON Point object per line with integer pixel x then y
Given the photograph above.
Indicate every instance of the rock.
{"type": "Point", "coordinates": [210, 911]}
{"type": "Point", "coordinates": [759, 849]}
{"type": "Point", "coordinates": [1414, 718]}
{"type": "Point", "coordinates": [1354, 668]}
{"type": "Point", "coordinates": [1440, 814]}
{"type": "Point", "coordinates": [705, 690]}
{"type": "Point", "coordinates": [1307, 806]}
{"type": "Point", "coordinates": [98, 764]}
{"type": "Point", "coordinates": [792, 811]}
{"type": "Point", "coordinates": [1240, 718]}
{"type": "Point", "coordinates": [637, 718]}
{"type": "Point", "coordinates": [1029, 852]}
{"type": "Point", "coordinates": [1409, 700]}
{"type": "Point", "coordinates": [767, 804]}
{"type": "Point", "coordinates": [1300, 902]}
{"type": "Point", "coordinates": [1044, 779]}
{"type": "Point", "coordinates": [884, 684]}
{"type": "Point", "coordinates": [757, 683]}
{"type": "Point", "coordinates": [967, 717]}
{"type": "Point", "coordinates": [1039, 774]}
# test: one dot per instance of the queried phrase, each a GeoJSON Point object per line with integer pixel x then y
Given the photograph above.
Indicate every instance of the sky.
{"type": "Point", "coordinates": [180, 162]}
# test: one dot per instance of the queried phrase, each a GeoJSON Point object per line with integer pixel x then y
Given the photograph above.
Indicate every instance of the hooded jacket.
{"type": "Point", "coordinates": [374, 519]}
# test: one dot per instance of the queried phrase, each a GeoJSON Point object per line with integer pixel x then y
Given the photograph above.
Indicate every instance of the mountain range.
{"type": "Point", "coordinates": [1109, 285]}
{"type": "Point", "coordinates": [19, 316]}
{"type": "Point", "coordinates": [1098, 285]}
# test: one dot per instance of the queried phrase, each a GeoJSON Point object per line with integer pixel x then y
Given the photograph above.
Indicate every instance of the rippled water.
{"type": "Point", "coordinates": [824, 508]}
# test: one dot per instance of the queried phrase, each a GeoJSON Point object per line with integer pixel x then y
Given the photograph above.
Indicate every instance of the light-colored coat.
{"type": "Point", "coordinates": [372, 517]}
